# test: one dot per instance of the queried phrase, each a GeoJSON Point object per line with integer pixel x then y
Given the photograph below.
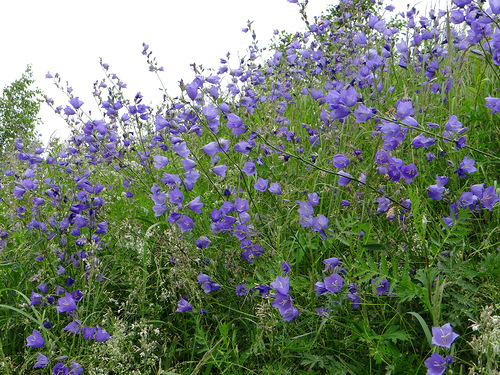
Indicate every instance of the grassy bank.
{"type": "Point", "coordinates": [331, 209]}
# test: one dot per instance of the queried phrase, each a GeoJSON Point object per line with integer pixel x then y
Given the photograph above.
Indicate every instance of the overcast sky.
{"type": "Point", "coordinates": [69, 37]}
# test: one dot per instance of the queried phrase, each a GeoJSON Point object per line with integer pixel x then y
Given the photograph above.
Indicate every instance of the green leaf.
{"type": "Point", "coordinates": [472, 89]}
{"type": "Point", "coordinates": [394, 335]}
{"type": "Point", "coordinates": [20, 312]}
{"type": "Point", "coordinates": [424, 326]}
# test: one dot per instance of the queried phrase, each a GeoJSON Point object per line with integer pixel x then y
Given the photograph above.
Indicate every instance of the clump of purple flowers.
{"type": "Point", "coordinates": [443, 337]}
{"type": "Point", "coordinates": [283, 301]}
{"type": "Point", "coordinates": [206, 284]}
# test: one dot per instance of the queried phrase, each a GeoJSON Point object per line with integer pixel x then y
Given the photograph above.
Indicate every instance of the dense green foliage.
{"type": "Point", "coordinates": [360, 169]}
{"type": "Point", "coordinates": [19, 107]}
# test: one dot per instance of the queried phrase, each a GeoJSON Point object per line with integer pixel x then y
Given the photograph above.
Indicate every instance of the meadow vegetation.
{"type": "Point", "coordinates": [330, 208]}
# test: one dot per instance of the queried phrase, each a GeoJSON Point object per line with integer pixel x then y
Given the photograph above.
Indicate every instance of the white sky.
{"type": "Point", "coordinates": [69, 37]}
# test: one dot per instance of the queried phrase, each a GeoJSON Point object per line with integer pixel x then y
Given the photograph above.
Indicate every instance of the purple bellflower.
{"type": "Point", "coordinates": [436, 364]}
{"type": "Point", "coordinates": [404, 110]}
{"type": "Point", "coordinates": [330, 264]}
{"type": "Point", "coordinates": [249, 168]}
{"type": "Point", "coordinates": [220, 170]}
{"type": "Point", "coordinates": [41, 361]}
{"type": "Point", "coordinates": [35, 340]}
{"type": "Point", "coordinates": [241, 290]}
{"type": "Point", "coordinates": [281, 285]}
{"type": "Point", "coordinates": [286, 267]}
{"type": "Point", "coordinates": [60, 369]}
{"type": "Point", "coordinates": [183, 305]}
{"type": "Point", "coordinates": [466, 167]}
{"type": "Point", "coordinates": [261, 185]}
{"type": "Point", "coordinates": [76, 369]}
{"type": "Point", "coordinates": [334, 283]}
{"type": "Point", "coordinates": [66, 303]}
{"type": "Point", "coordinates": [290, 314]}
{"type": "Point", "coordinates": [88, 332]}
{"type": "Point", "coordinates": [489, 198]}
{"type": "Point", "coordinates": [275, 188]}
{"type": "Point", "coordinates": [340, 161]}
{"type": "Point", "coordinates": [383, 287]}
{"type": "Point", "coordinates": [495, 6]}
{"type": "Point", "coordinates": [72, 327]}
{"type": "Point", "coordinates": [76, 102]}
{"type": "Point", "coordinates": [283, 302]}
{"type": "Point", "coordinates": [185, 223]}
{"type": "Point", "coordinates": [443, 336]}
{"type": "Point", "coordinates": [101, 335]}
{"type": "Point", "coordinates": [435, 192]}
{"type": "Point", "coordinates": [206, 284]}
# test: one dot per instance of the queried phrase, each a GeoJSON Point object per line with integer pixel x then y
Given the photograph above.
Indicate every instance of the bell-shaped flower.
{"type": "Point", "coordinates": [362, 113]}
{"type": "Point", "coordinates": [190, 179]}
{"type": "Point", "coordinates": [344, 178]}
{"type": "Point", "coordinates": [220, 170]}
{"type": "Point", "coordinates": [41, 361]}
{"type": "Point", "coordinates": [101, 335]}
{"type": "Point", "coordinates": [66, 303]}
{"type": "Point", "coordinates": [283, 302]}
{"type": "Point", "coordinates": [88, 332]}
{"type": "Point", "coordinates": [76, 102]}
{"type": "Point", "coordinates": [423, 141]}
{"type": "Point", "coordinates": [443, 336]}
{"type": "Point", "coordinates": [76, 369]}
{"type": "Point", "coordinates": [160, 161]}
{"type": "Point", "coordinates": [320, 288]}
{"type": "Point", "coordinates": [359, 38]}
{"type": "Point", "coordinates": [195, 205]}
{"type": "Point", "coordinates": [202, 242]}
{"type": "Point", "coordinates": [466, 167]}
{"type": "Point", "coordinates": [261, 185]}
{"type": "Point", "coordinates": [243, 147]}
{"type": "Point", "coordinates": [36, 298]}
{"type": "Point", "coordinates": [489, 198]}
{"type": "Point", "coordinates": [330, 263]}
{"type": "Point", "coordinates": [275, 188]}
{"type": "Point", "coordinates": [436, 364]}
{"type": "Point", "coordinates": [241, 205]}
{"type": "Point", "coordinates": [306, 208]}
{"type": "Point", "coordinates": [187, 164]}
{"type": "Point", "coordinates": [320, 222]}
{"type": "Point", "coordinates": [349, 97]}
{"type": "Point", "coordinates": [35, 340]}
{"type": "Point", "coordinates": [180, 148]}
{"type": "Point", "coordinates": [290, 314]}
{"type": "Point", "coordinates": [185, 223]}
{"type": "Point", "coordinates": [383, 204]}
{"type": "Point", "coordinates": [73, 327]}
{"type": "Point", "coordinates": [176, 196]}
{"type": "Point", "coordinates": [334, 283]}
{"type": "Point", "coordinates": [192, 90]}
{"type": "Point", "coordinates": [435, 192]}
{"type": "Point", "coordinates": [404, 110]}
{"type": "Point", "coordinates": [340, 161]}
{"type": "Point", "coordinates": [183, 305]}
{"type": "Point", "coordinates": [281, 285]}
{"type": "Point", "coordinates": [494, 6]}
{"type": "Point", "coordinates": [241, 290]}
{"type": "Point", "coordinates": [249, 168]}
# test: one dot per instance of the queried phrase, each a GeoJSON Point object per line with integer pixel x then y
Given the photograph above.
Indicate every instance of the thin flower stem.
{"type": "Point", "coordinates": [441, 137]}
{"type": "Point", "coordinates": [329, 171]}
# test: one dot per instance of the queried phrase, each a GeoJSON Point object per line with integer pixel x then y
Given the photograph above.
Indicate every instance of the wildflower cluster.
{"type": "Point", "coordinates": [176, 214]}
{"type": "Point", "coordinates": [443, 337]}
